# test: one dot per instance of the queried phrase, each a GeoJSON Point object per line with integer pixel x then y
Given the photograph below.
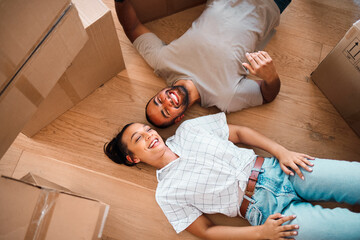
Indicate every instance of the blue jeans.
{"type": "Point", "coordinates": [330, 180]}
{"type": "Point", "coordinates": [282, 4]}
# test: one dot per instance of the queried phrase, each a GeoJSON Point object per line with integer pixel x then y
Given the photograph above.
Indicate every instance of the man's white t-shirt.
{"type": "Point", "coordinates": [212, 51]}
{"type": "Point", "coordinates": [208, 175]}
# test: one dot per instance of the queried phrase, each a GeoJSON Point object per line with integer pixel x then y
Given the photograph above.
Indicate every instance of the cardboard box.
{"type": "Point", "coordinates": [150, 10]}
{"type": "Point", "coordinates": [338, 77]}
{"type": "Point", "coordinates": [44, 66]}
{"type": "Point", "coordinates": [23, 25]}
{"type": "Point", "coordinates": [99, 60]}
{"type": "Point", "coordinates": [31, 211]}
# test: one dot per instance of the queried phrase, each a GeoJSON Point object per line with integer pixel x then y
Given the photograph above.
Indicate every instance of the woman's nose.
{"type": "Point", "coordinates": [148, 135]}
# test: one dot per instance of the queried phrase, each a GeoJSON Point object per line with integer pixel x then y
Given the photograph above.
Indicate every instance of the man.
{"type": "Point", "coordinates": [207, 64]}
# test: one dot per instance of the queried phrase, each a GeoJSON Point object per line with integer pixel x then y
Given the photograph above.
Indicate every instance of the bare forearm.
{"type": "Point", "coordinates": [270, 88]}
{"type": "Point", "coordinates": [248, 136]}
{"type": "Point", "coordinates": [228, 232]}
{"type": "Point", "coordinates": [129, 20]}
{"type": "Point", "coordinates": [271, 229]}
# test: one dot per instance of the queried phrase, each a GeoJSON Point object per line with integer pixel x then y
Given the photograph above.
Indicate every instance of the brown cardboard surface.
{"type": "Point", "coordinates": [338, 77]}
{"type": "Point", "coordinates": [15, 214]}
{"type": "Point", "coordinates": [19, 101]}
{"type": "Point", "coordinates": [150, 10]}
{"type": "Point", "coordinates": [177, 6]}
{"type": "Point", "coordinates": [32, 210]}
{"type": "Point", "coordinates": [99, 60]}
{"type": "Point", "coordinates": [23, 24]}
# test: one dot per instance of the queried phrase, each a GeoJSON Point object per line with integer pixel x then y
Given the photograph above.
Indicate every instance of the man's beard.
{"type": "Point", "coordinates": [184, 94]}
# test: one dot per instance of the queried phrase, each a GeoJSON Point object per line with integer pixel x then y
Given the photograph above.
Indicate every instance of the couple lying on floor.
{"type": "Point", "coordinates": [200, 170]}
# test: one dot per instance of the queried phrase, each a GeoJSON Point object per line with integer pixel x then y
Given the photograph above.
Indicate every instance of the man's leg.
{"type": "Point", "coordinates": [282, 4]}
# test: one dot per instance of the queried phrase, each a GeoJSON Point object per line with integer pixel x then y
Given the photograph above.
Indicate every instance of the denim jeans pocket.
{"type": "Point", "coordinates": [254, 215]}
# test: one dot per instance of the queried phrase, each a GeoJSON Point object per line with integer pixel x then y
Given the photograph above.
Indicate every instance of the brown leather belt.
{"type": "Point", "coordinates": [249, 191]}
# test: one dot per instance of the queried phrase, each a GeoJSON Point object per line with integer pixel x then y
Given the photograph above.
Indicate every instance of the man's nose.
{"type": "Point", "coordinates": [166, 101]}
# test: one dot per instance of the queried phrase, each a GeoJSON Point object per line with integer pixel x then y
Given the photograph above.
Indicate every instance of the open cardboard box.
{"type": "Point", "coordinates": [34, 208]}
{"type": "Point", "coordinates": [338, 77]}
{"type": "Point", "coordinates": [39, 40]}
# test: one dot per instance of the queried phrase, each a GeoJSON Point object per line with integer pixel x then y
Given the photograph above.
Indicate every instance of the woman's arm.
{"type": "Point", "coordinates": [240, 134]}
{"type": "Point", "coordinates": [126, 14]}
{"type": "Point", "coordinates": [203, 228]}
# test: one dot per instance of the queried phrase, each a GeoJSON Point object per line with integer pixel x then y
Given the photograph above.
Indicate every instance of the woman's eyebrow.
{"type": "Point", "coordinates": [133, 135]}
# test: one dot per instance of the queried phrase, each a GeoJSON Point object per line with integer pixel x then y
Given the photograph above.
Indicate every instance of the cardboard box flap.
{"type": "Point", "coordinates": [90, 11]}
{"type": "Point", "coordinates": [39, 181]}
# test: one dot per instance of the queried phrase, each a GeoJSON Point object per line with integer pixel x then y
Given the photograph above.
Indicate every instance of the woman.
{"type": "Point", "coordinates": [200, 170]}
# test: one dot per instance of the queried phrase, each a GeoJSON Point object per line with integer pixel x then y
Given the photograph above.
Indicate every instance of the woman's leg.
{"type": "Point", "coordinates": [330, 180]}
{"type": "Point", "coordinates": [322, 223]}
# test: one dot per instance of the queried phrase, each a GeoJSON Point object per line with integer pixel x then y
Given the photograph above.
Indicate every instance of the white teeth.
{"type": "Point", "coordinates": [153, 142]}
{"type": "Point", "coordinates": [175, 98]}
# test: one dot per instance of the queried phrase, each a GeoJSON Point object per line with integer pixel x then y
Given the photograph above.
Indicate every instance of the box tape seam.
{"type": "Point", "coordinates": [106, 212]}
{"type": "Point", "coordinates": [42, 214]}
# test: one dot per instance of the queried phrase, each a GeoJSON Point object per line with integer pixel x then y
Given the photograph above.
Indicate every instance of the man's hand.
{"type": "Point", "coordinates": [273, 228]}
{"type": "Point", "coordinates": [261, 66]}
{"type": "Point", "coordinates": [294, 160]}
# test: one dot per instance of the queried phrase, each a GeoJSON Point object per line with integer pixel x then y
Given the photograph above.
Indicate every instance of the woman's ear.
{"type": "Point", "coordinates": [132, 160]}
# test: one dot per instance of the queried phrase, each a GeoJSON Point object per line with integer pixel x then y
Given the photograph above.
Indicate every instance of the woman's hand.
{"type": "Point", "coordinates": [293, 160]}
{"type": "Point", "coordinates": [273, 228]}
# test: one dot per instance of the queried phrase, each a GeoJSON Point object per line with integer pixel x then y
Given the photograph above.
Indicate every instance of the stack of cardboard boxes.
{"type": "Point", "coordinates": [38, 41]}
{"type": "Point", "coordinates": [52, 55]}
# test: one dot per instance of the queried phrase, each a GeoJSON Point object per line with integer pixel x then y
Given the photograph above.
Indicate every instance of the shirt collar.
{"type": "Point", "coordinates": [160, 173]}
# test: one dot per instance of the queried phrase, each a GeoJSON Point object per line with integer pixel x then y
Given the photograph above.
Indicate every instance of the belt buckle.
{"type": "Point", "coordinates": [249, 193]}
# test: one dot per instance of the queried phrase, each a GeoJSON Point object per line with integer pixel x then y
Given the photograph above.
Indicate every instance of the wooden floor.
{"type": "Point", "coordinates": [69, 150]}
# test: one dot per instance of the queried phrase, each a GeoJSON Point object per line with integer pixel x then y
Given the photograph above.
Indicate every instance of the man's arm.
{"type": "Point", "coordinates": [262, 66]}
{"type": "Point", "coordinates": [133, 28]}
{"type": "Point", "coordinates": [203, 228]}
{"type": "Point", "coordinates": [240, 134]}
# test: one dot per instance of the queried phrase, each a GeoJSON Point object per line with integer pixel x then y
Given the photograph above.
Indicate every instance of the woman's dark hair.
{"type": "Point", "coordinates": [116, 150]}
